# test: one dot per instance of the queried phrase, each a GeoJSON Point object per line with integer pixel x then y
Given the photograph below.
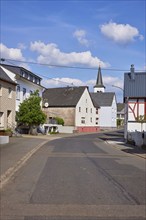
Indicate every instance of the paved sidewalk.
{"type": "Point", "coordinates": [127, 148]}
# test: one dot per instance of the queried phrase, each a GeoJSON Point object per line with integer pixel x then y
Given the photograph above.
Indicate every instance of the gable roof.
{"type": "Point", "coordinates": [64, 96]}
{"type": "Point", "coordinates": [5, 77]}
{"type": "Point", "coordinates": [18, 70]}
{"type": "Point", "coordinates": [102, 98]}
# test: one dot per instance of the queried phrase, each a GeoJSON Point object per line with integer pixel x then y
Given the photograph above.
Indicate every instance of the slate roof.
{"type": "Point", "coordinates": [64, 96]}
{"type": "Point", "coordinates": [102, 98]}
{"type": "Point", "coordinates": [99, 82]}
{"type": "Point", "coordinates": [18, 70]}
{"type": "Point", "coordinates": [5, 77]}
{"type": "Point", "coordinates": [135, 87]}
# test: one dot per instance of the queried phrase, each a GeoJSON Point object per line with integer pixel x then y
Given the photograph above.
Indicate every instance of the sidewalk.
{"type": "Point", "coordinates": [127, 148]}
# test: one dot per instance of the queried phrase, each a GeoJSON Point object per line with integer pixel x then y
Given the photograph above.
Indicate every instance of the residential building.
{"type": "Point", "coordinates": [74, 105]}
{"type": "Point", "coordinates": [7, 101]}
{"type": "Point", "coordinates": [27, 82]}
{"type": "Point", "coordinates": [120, 114]}
{"type": "Point", "coordinates": [106, 102]}
{"type": "Point", "coordinates": [135, 103]}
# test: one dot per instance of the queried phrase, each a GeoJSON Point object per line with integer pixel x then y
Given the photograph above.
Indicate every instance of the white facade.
{"type": "Point", "coordinates": [24, 87]}
{"type": "Point", "coordinates": [85, 113]}
{"type": "Point", "coordinates": [99, 89]}
{"type": "Point", "coordinates": [108, 115]}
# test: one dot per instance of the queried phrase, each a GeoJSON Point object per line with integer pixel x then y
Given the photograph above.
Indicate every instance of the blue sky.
{"type": "Point", "coordinates": [80, 34]}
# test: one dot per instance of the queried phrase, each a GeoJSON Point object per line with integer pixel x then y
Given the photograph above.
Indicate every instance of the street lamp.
{"type": "Point", "coordinates": [118, 87]}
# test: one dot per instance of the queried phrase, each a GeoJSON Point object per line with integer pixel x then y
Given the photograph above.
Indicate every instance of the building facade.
{"type": "Point", "coordinates": [27, 82]}
{"type": "Point", "coordinates": [135, 103]}
{"type": "Point", "coordinates": [74, 105]}
{"type": "Point", "coordinates": [7, 101]}
{"type": "Point", "coordinates": [106, 102]}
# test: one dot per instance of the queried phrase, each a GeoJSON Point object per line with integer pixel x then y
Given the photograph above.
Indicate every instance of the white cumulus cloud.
{"type": "Point", "coordinates": [80, 35]}
{"type": "Point", "coordinates": [120, 33]}
{"type": "Point", "coordinates": [59, 82]}
{"type": "Point", "coordinates": [11, 53]}
{"type": "Point", "coordinates": [65, 81]}
{"type": "Point", "coordinates": [51, 54]}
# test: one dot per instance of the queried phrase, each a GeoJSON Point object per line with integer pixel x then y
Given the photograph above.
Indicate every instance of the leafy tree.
{"type": "Point", "coordinates": [141, 119]}
{"type": "Point", "coordinates": [30, 112]}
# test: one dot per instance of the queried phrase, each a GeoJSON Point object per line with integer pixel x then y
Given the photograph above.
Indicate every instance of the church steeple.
{"type": "Point", "coordinates": [99, 87]}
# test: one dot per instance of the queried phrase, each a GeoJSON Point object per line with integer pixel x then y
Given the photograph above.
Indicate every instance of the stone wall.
{"type": "Point", "coordinates": [67, 114]}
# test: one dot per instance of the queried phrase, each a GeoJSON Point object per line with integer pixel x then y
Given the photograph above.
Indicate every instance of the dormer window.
{"type": "Point", "coordinates": [31, 78]}
{"type": "Point", "coordinates": [38, 81]}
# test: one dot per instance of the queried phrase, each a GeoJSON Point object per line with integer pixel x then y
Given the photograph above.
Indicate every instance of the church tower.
{"type": "Point", "coordinates": [99, 87]}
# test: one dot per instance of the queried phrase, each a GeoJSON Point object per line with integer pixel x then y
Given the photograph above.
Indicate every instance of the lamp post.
{"type": "Point", "coordinates": [118, 87]}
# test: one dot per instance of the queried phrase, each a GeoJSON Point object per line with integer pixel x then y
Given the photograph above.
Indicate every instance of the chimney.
{"type": "Point", "coordinates": [132, 72]}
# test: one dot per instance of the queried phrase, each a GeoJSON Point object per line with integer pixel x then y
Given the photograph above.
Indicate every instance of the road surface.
{"type": "Point", "coordinates": [80, 177]}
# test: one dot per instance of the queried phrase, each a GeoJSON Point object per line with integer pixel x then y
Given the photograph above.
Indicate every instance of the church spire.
{"type": "Point", "coordinates": [99, 87]}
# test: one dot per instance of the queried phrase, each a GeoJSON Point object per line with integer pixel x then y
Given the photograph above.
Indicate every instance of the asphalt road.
{"type": "Point", "coordinates": [77, 178]}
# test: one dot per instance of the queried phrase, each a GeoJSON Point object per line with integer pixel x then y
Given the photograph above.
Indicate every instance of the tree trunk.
{"type": "Point", "coordinates": [33, 130]}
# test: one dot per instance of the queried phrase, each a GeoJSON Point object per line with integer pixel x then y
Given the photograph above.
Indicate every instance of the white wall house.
{"type": "Point", "coordinates": [120, 114]}
{"type": "Point", "coordinates": [74, 105]}
{"type": "Point", "coordinates": [135, 104]}
{"type": "Point", "coordinates": [106, 102]}
{"type": "Point", "coordinates": [85, 112]}
{"type": "Point", "coordinates": [107, 110]}
{"type": "Point", "coordinates": [27, 82]}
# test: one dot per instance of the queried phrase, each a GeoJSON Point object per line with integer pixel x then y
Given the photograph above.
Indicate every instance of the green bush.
{"type": "Point", "coordinates": [59, 121]}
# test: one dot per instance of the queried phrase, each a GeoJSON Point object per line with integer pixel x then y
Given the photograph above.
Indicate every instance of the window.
{"type": "Point", "coordinates": [90, 119]}
{"type": "Point", "coordinates": [31, 77]}
{"type": "Point", "coordinates": [91, 110]}
{"type": "Point", "coordinates": [9, 92]}
{"type": "Point", "coordinates": [86, 110]}
{"type": "Point", "coordinates": [0, 90]}
{"type": "Point", "coordinates": [83, 120]}
{"type": "Point", "coordinates": [24, 93]}
{"type": "Point", "coordinates": [38, 81]}
{"type": "Point", "coordinates": [79, 109]}
{"type": "Point", "coordinates": [1, 120]}
{"type": "Point", "coordinates": [18, 92]}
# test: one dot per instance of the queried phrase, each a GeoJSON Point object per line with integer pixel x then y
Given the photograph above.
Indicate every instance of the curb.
{"type": "Point", "coordinates": [115, 145]}
{"type": "Point", "coordinates": [4, 178]}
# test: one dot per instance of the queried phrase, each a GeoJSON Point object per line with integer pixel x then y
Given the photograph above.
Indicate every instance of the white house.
{"type": "Point", "coordinates": [27, 82]}
{"type": "Point", "coordinates": [74, 105]}
{"type": "Point", "coordinates": [135, 104]}
{"type": "Point", "coordinates": [121, 113]}
{"type": "Point", "coordinates": [106, 102]}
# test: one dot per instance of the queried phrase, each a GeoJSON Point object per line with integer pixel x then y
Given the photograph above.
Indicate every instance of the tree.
{"type": "Point", "coordinates": [141, 119]}
{"type": "Point", "coordinates": [30, 112]}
